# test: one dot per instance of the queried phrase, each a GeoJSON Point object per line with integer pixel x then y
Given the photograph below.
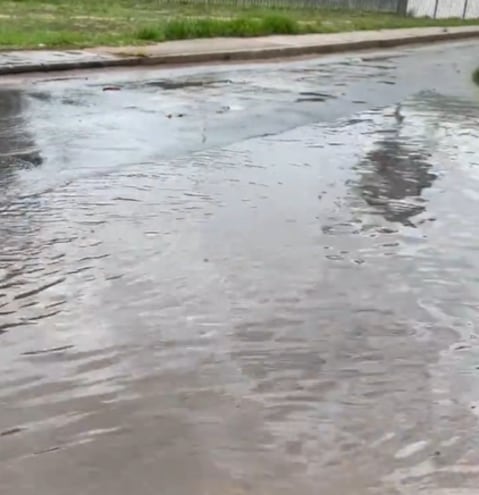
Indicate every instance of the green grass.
{"type": "Point", "coordinates": [475, 76]}
{"type": "Point", "coordinates": [83, 23]}
{"type": "Point", "coordinates": [190, 28]}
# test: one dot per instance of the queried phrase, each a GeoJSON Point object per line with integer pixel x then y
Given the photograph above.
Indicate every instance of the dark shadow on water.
{"type": "Point", "coordinates": [17, 152]}
{"type": "Point", "coordinates": [393, 177]}
{"type": "Point", "coordinates": [448, 108]}
{"type": "Point", "coordinates": [17, 148]}
{"type": "Point", "coordinates": [395, 173]}
{"type": "Point", "coordinates": [178, 84]}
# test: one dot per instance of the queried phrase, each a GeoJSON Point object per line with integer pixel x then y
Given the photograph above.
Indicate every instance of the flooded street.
{"type": "Point", "coordinates": [253, 279]}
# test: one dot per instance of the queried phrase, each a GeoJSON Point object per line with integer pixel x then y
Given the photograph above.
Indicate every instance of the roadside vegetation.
{"type": "Point", "coordinates": [475, 76]}
{"type": "Point", "coordinates": [83, 23]}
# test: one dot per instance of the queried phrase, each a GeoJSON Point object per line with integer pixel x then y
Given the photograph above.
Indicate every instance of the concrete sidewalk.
{"type": "Point", "coordinates": [224, 49]}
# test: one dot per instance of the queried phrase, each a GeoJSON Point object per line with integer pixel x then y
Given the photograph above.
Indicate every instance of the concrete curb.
{"type": "Point", "coordinates": [263, 53]}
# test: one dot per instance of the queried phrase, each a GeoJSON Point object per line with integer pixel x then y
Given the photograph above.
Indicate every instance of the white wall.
{"type": "Point", "coordinates": [450, 8]}
{"type": "Point", "coordinates": [473, 9]}
{"type": "Point", "coordinates": [421, 8]}
{"type": "Point", "coordinates": [445, 8]}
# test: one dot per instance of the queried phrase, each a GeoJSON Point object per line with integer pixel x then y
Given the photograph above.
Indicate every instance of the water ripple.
{"type": "Point", "coordinates": [292, 311]}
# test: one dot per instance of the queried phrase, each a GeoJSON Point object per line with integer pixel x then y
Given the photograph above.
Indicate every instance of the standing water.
{"type": "Point", "coordinates": [251, 281]}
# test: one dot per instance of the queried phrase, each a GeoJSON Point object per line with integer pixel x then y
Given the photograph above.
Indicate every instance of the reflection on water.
{"type": "Point", "coordinates": [393, 177]}
{"type": "Point", "coordinates": [18, 152]}
{"type": "Point", "coordinates": [398, 167]}
{"type": "Point", "coordinates": [447, 110]}
{"type": "Point", "coordinates": [231, 321]}
{"type": "Point", "coordinates": [16, 144]}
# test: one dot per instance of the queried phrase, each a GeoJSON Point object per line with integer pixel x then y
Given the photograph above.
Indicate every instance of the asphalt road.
{"type": "Point", "coordinates": [254, 279]}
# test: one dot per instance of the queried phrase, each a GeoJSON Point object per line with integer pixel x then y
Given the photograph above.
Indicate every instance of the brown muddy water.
{"type": "Point", "coordinates": [260, 280]}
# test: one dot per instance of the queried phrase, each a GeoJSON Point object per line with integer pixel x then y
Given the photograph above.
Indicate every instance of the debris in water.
{"type": "Point", "coordinates": [223, 109]}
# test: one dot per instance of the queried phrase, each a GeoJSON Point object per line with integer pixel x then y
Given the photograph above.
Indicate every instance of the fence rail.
{"type": "Point", "coordinates": [465, 9]}
{"type": "Point", "coordinates": [391, 6]}
{"type": "Point", "coordinates": [437, 9]}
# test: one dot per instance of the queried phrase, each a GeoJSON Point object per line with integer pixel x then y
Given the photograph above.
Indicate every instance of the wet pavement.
{"type": "Point", "coordinates": [242, 280]}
